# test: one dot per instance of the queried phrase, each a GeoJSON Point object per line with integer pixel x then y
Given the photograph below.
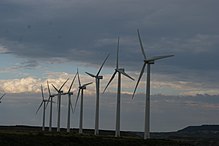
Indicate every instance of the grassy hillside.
{"type": "Point", "coordinates": [54, 139]}
{"type": "Point", "coordinates": [26, 136]}
{"type": "Point", "coordinates": [29, 135]}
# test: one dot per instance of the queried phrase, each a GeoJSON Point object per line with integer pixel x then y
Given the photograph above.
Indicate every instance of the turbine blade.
{"type": "Point", "coordinates": [110, 81]}
{"type": "Point", "coordinates": [48, 88]}
{"type": "Point", "coordinates": [139, 78]}
{"type": "Point", "coordinates": [49, 100]}
{"type": "Point", "coordinates": [42, 92]}
{"type": "Point", "coordinates": [63, 84]}
{"type": "Point", "coordinates": [90, 74]}
{"type": "Point", "coordinates": [57, 101]}
{"type": "Point", "coordinates": [39, 107]}
{"type": "Point", "coordinates": [87, 84]}
{"type": "Point", "coordinates": [159, 57]}
{"type": "Point", "coordinates": [72, 83]}
{"type": "Point", "coordinates": [71, 107]}
{"type": "Point", "coordinates": [46, 103]}
{"type": "Point", "coordinates": [117, 56]}
{"type": "Point", "coordinates": [102, 65]}
{"type": "Point", "coordinates": [2, 96]}
{"type": "Point", "coordinates": [125, 74]}
{"type": "Point", "coordinates": [55, 88]}
{"type": "Point", "coordinates": [142, 48]}
{"type": "Point", "coordinates": [77, 100]}
{"type": "Point", "coordinates": [79, 81]}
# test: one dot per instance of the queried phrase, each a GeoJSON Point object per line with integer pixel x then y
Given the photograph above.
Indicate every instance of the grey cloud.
{"type": "Point", "coordinates": [83, 31]}
{"type": "Point", "coordinates": [29, 64]}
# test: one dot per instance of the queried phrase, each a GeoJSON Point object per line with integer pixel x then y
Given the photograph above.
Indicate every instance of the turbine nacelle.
{"type": "Point", "coordinates": [45, 100]}
{"type": "Point", "coordinates": [153, 59]}
{"type": "Point", "coordinates": [99, 77]}
{"type": "Point", "coordinates": [82, 87]}
{"type": "Point", "coordinates": [64, 93]}
{"type": "Point", "coordinates": [120, 70]}
{"type": "Point", "coordinates": [94, 76]}
{"type": "Point", "coordinates": [149, 61]}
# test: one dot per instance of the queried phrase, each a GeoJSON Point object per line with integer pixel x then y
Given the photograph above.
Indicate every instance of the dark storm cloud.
{"type": "Point", "coordinates": [84, 30]}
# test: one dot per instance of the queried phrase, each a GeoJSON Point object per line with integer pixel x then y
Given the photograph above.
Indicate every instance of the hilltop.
{"type": "Point", "coordinates": [214, 129]}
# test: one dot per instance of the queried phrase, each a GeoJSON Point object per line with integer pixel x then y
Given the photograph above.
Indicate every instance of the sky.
{"type": "Point", "coordinates": [49, 39]}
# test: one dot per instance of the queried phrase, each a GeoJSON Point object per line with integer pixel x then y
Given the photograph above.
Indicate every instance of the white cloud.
{"type": "Point", "coordinates": [160, 84]}
{"type": "Point", "coordinates": [28, 84]}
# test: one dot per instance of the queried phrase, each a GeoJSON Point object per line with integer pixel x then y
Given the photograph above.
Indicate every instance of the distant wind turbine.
{"type": "Point", "coordinates": [51, 102]}
{"type": "Point", "coordinates": [60, 93]}
{"type": "Point", "coordinates": [69, 103]}
{"type": "Point", "coordinates": [2, 97]}
{"type": "Point", "coordinates": [119, 71]}
{"type": "Point", "coordinates": [97, 77]}
{"type": "Point", "coordinates": [44, 108]}
{"type": "Point", "coordinates": [81, 91]}
{"type": "Point", "coordinates": [147, 62]}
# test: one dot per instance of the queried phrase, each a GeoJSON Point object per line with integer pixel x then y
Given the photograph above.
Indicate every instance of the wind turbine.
{"type": "Point", "coordinates": [51, 102]}
{"type": "Point", "coordinates": [119, 71]}
{"type": "Point", "coordinates": [69, 103]}
{"type": "Point", "coordinates": [147, 62]}
{"type": "Point", "coordinates": [81, 91]}
{"type": "Point", "coordinates": [44, 108]}
{"type": "Point", "coordinates": [60, 93]}
{"type": "Point", "coordinates": [2, 97]}
{"type": "Point", "coordinates": [98, 78]}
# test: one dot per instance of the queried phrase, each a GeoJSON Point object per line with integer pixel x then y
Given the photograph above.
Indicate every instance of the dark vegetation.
{"type": "Point", "coordinates": [29, 135]}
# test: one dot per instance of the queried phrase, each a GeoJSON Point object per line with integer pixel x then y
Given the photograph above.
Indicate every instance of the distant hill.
{"type": "Point", "coordinates": [204, 135]}
{"type": "Point", "coordinates": [201, 129]}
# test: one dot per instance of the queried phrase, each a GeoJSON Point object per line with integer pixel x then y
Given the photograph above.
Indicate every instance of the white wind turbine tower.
{"type": "Point", "coordinates": [2, 97]}
{"type": "Point", "coordinates": [119, 71]}
{"type": "Point", "coordinates": [98, 78]}
{"type": "Point", "coordinates": [81, 91]}
{"type": "Point", "coordinates": [147, 62]}
{"type": "Point", "coordinates": [69, 103]}
{"type": "Point", "coordinates": [51, 102]}
{"type": "Point", "coordinates": [44, 108]}
{"type": "Point", "coordinates": [60, 93]}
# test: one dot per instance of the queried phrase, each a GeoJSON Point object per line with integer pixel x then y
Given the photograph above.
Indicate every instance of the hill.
{"type": "Point", "coordinates": [30, 135]}
{"type": "Point", "coordinates": [206, 129]}
{"type": "Point", "coordinates": [205, 135]}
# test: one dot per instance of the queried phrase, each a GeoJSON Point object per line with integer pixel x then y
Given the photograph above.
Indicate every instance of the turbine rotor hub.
{"type": "Point", "coordinates": [60, 92]}
{"type": "Point", "coordinates": [99, 77]}
{"type": "Point", "coordinates": [120, 70]}
{"type": "Point", "coordinates": [82, 87]}
{"type": "Point", "coordinates": [149, 61]}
